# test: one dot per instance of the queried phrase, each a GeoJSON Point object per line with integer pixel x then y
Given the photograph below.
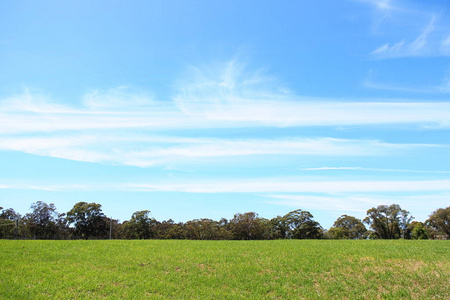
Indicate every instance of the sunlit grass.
{"type": "Point", "coordinates": [285, 269]}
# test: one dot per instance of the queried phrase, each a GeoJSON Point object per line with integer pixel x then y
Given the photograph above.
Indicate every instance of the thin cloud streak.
{"type": "Point", "coordinates": [359, 204]}
{"type": "Point", "coordinates": [226, 96]}
{"type": "Point", "coordinates": [262, 114]}
{"type": "Point", "coordinates": [332, 202]}
{"type": "Point", "coordinates": [444, 88]}
{"type": "Point", "coordinates": [257, 186]}
{"type": "Point", "coordinates": [296, 186]}
{"type": "Point", "coordinates": [169, 150]}
{"type": "Point", "coordinates": [384, 5]}
{"type": "Point", "coordinates": [423, 45]}
{"type": "Point", "coordinates": [373, 170]}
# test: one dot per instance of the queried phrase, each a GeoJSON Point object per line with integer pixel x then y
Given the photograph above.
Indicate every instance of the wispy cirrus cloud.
{"type": "Point", "coordinates": [256, 113]}
{"type": "Point", "coordinates": [228, 94]}
{"type": "Point", "coordinates": [119, 98]}
{"type": "Point", "coordinates": [358, 204]}
{"type": "Point", "coordinates": [102, 128]}
{"type": "Point", "coordinates": [347, 203]}
{"type": "Point", "coordinates": [263, 186]}
{"type": "Point", "coordinates": [384, 5]}
{"type": "Point", "coordinates": [424, 29]}
{"type": "Point", "coordinates": [144, 151]}
{"type": "Point", "coordinates": [373, 170]}
{"type": "Point", "coordinates": [338, 197]}
{"type": "Point", "coordinates": [443, 88]}
{"type": "Point", "coordinates": [218, 96]}
{"type": "Point", "coordinates": [427, 43]}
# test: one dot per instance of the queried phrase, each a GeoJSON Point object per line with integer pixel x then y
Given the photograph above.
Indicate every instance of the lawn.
{"type": "Point", "coordinates": [282, 269]}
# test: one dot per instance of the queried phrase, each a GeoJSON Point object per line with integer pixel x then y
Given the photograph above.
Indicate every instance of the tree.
{"type": "Point", "coordinates": [440, 221]}
{"type": "Point", "coordinates": [8, 223]}
{"type": "Point", "coordinates": [247, 226]}
{"type": "Point", "coordinates": [279, 227]}
{"type": "Point", "coordinates": [140, 225]}
{"type": "Point", "coordinates": [302, 226]}
{"type": "Point", "coordinates": [418, 231]}
{"type": "Point", "coordinates": [389, 222]}
{"type": "Point", "coordinates": [202, 229]}
{"type": "Point", "coordinates": [42, 222]}
{"type": "Point", "coordinates": [347, 227]}
{"type": "Point", "coordinates": [9, 214]}
{"type": "Point", "coordinates": [89, 221]}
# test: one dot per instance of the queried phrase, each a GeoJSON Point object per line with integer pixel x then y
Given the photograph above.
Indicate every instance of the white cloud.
{"type": "Point", "coordinates": [261, 186]}
{"type": "Point", "coordinates": [229, 97]}
{"type": "Point", "coordinates": [373, 170]}
{"type": "Point", "coordinates": [444, 88]}
{"type": "Point", "coordinates": [144, 151]}
{"type": "Point", "coordinates": [47, 187]}
{"type": "Point", "coordinates": [212, 91]}
{"type": "Point", "coordinates": [122, 98]}
{"type": "Point", "coordinates": [32, 103]}
{"type": "Point", "coordinates": [286, 185]}
{"type": "Point", "coordinates": [383, 5]}
{"type": "Point", "coordinates": [357, 205]}
{"type": "Point", "coordinates": [426, 44]}
{"type": "Point", "coordinates": [223, 96]}
{"type": "Point", "coordinates": [331, 202]}
{"type": "Point", "coordinates": [338, 197]}
{"type": "Point", "coordinates": [331, 168]}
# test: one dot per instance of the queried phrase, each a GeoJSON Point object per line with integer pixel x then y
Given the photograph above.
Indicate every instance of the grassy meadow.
{"type": "Point", "coordinates": [182, 269]}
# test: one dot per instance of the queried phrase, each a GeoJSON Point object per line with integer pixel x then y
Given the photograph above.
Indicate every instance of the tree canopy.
{"type": "Point", "coordinates": [347, 227]}
{"type": "Point", "coordinates": [388, 222]}
{"type": "Point", "coordinates": [440, 221]}
{"type": "Point", "coordinates": [87, 221]}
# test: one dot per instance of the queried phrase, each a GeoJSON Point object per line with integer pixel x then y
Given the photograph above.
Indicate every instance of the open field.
{"type": "Point", "coordinates": [284, 269]}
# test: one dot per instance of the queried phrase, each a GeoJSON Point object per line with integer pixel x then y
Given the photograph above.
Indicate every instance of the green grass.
{"type": "Point", "coordinates": [285, 269]}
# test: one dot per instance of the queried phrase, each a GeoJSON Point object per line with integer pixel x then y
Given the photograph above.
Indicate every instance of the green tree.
{"type": "Point", "coordinates": [418, 231]}
{"type": "Point", "coordinates": [89, 221]}
{"type": "Point", "coordinates": [347, 227]}
{"type": "Point", "coordinates": [389, 222]}
{"type": "Point", "coordinates": [202, 229]}
{"type": "Point", "coordinates": [9, 214]}
{"type": "Point", "coordinates": [440, 221]}
{"type": "Point", "coordinates": [8, 223]}
{"type": "Point", "coordinates": [247, 226]}
{"type": "Point", "coordinates": [279, 227]}
{"type": "Point", "coordinates": [42, 222]}
{"type": "Point", "coordinates": [302, 226]}
{"type": "Point", "coordinates": [140, 226]}
{"type": "Point", "coordinates": [167, 229]}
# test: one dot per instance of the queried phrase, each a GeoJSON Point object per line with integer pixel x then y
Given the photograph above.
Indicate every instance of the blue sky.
{"type": "Point", "coordinates": [197, 109]}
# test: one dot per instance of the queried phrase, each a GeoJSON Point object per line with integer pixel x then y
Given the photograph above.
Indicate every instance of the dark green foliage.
{"type": "Point", "coordinates": [418, 231]}
{"type": "Point", "coordinates": [9, 214]}
{"type": "Point", "coordinates": [206, 229]}
{"type": "Point", "coordinates": [280, 228]}
{"type": "Point", "coordinates": [8, 222]}
{"type": "Point", "coordinates": [43, 221]}
{"type": "Point", "coordinates": [248, 226]}
{"type": "Point", "coordinates": [440, 221]}
{"type": "Point", "coordinates": [347, 227]}
{"type": "Point", "coordinates": [140, 226]}
{"type": "Point", "coordinates": [300, 225]}
{"type": "Point", "coordinates": [388, 222]}
{"type": "Point", "coordinates": [89, 221]}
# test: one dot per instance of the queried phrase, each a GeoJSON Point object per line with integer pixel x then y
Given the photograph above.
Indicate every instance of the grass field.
{"type": "Point", "coordinates": [284, 269]}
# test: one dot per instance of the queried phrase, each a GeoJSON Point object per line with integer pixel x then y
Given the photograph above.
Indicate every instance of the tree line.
{"type": "Point", "coordinates": [87, 221]}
